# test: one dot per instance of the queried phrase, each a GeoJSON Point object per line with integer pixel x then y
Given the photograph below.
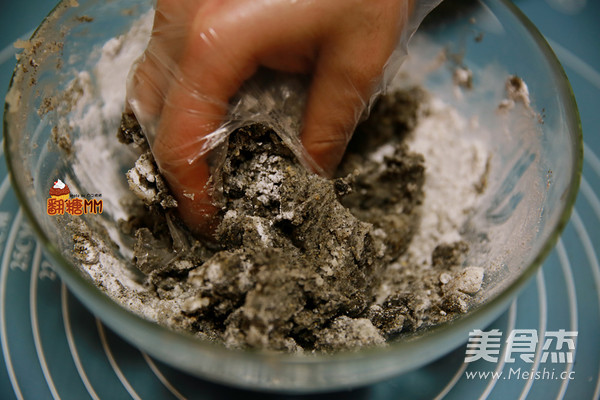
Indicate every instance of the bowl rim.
{"type": "Point", "coordinates": [112, 312]}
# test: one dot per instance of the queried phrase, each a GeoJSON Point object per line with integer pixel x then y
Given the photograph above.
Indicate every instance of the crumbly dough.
{"type": "Point", "coordinates": [298, 260]}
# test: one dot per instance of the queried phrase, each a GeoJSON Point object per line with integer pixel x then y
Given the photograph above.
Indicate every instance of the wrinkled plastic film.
{"type": "Point", "coordinates": [271, 98]}
{"type": "Point", "coordinates": [421, 8]}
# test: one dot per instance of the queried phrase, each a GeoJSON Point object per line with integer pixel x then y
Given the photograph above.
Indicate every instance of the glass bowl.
{"type": "Point", "coordinates": [532, 182]}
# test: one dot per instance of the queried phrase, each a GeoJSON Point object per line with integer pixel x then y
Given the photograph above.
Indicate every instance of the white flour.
{"type": "Point", "coordinates": [97, 114]}
{"type": "Point", "coordinates": [455, 166]}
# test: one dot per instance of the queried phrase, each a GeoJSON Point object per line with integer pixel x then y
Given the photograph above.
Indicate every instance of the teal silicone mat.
{"type": "Point", "coordinates": [53, 348]}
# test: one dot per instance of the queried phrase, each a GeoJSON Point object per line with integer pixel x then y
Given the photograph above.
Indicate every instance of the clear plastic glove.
{"type": "Point", "coordinates": [185, 89]}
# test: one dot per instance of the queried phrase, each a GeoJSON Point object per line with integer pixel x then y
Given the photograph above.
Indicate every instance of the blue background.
{"type": "Point", "coordinates": [52, 347]}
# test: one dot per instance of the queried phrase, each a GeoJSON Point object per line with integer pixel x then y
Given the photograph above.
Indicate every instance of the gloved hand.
{"type": "Point", "coordinates": [202, 51]}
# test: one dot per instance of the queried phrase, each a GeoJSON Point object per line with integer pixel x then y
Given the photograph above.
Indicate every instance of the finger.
{"type": "Point", "coordinates": [193, 110]}
{"type": "Point", "coordinates": [348, 74]}
{"type": "Point", "coordinates": [212, 68]}
{"type": "Point", "coordinates": [149, 78]}
{"type": "Point", "coordinates": [338, 95]}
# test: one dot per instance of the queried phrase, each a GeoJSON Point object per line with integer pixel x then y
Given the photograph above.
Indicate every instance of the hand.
{"type": "Point", "coordinates": [201, 51]}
